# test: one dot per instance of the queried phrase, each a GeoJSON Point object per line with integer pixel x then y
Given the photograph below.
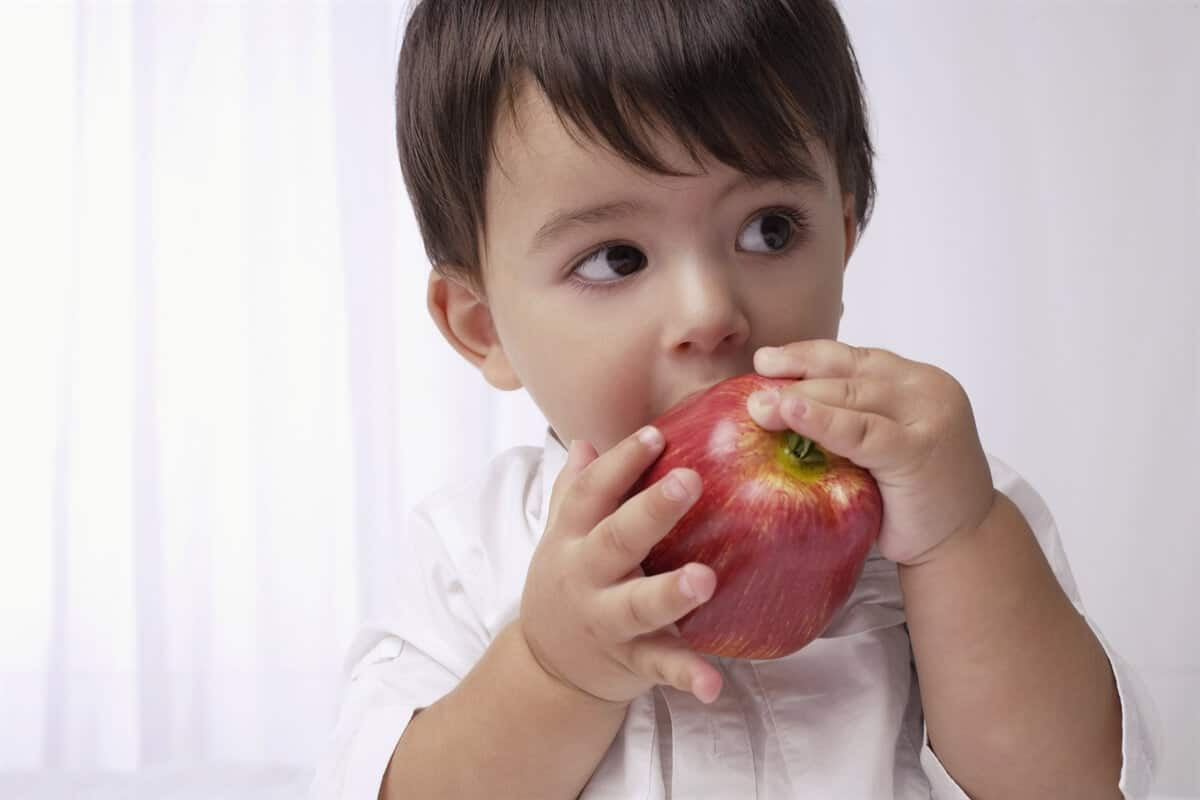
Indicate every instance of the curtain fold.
{"type": "Point", "coordinates": [229, 389]}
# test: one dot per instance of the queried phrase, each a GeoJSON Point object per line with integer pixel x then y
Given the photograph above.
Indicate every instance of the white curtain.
{"type": "Point", "coordinates": [221, 393]}
{"type": "Point", "coordinates": [221, 388]}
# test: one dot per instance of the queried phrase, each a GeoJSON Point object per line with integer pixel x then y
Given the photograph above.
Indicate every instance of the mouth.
{"type": "Point", "coordinates": [690, 395]}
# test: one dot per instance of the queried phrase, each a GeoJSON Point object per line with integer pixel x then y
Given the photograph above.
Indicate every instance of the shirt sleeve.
{"type": "Point", "coordinates": [1141, 729]}
{"type": "Point", "coordinates": [415, 654]}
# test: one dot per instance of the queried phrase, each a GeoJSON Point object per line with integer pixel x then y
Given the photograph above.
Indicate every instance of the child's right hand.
{"type": "Point", "coordinates": [589, 614]}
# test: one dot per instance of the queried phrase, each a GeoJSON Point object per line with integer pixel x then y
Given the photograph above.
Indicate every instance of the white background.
{"type": "Point", "coordinates": [220, 391]}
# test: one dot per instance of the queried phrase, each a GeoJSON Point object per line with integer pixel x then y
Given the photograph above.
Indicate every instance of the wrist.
{"type": "Point", "coordinates": [963, 536]}
{"type": "Point", "coordinates": [550, 677]}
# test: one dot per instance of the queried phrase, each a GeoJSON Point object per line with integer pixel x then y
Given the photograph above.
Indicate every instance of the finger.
{"type": "Point", "coordinates": [623, 539]}
{"type": "Point", "coordinates": [861, 394]}
{"type": "Point", "coordinates": [600, 486]}
{"type": "Point", "coordinates": [644, 605]}
{"type": "Point", "coordinates": [667, 660]}
{"type": "Point", "coordinates": [827, 358]}
{"type": "Point", "coordinates": [869, 440]}
{"type": "Point", "coordinates": [579, 455]}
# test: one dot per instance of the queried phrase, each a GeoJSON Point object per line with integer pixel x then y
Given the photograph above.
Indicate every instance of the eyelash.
{"type": "Point", "coordinates": [796, 216]}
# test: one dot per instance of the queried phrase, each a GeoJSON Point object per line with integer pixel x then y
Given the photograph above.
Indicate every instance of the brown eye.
{"type": "Point", "coordinates": [611, 263]}
{"type": "Point", "coordinates": [771, 232]}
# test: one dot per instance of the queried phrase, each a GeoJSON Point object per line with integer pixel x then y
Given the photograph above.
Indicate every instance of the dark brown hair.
{"type": "Point", "coordinates": [747, 81]}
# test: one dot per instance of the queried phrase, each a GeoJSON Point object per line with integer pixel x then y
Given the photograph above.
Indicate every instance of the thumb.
{"type": "Point", "coordinates": [579, 455]}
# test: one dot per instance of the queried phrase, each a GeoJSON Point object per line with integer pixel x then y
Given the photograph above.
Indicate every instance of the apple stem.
{"type": "Point", "coordinates": [804, 450]}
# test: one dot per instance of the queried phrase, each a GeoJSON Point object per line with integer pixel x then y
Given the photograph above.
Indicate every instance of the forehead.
{"type": "Point", "coordinates": [541, 164]}
{"type": "Point", "coordinates": [532, 139]}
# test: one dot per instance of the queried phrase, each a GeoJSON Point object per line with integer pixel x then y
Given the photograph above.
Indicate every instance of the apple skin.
{"type": "Point", "coordinates": [786, 537]}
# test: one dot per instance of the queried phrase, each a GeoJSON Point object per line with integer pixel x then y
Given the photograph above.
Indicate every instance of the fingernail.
{"type": "Point", "coordinates": [704, 697]}
{"type": "Point", "coordinates": [766, 357]}
{"type": "Point", "coordinates": [696, 587]}
{"type": "Point", "coordinates": [651, 437]}
{"type": "Point", "coordinates": [765, 399]}
{"type": "Point", "coordinates": [678, 486]}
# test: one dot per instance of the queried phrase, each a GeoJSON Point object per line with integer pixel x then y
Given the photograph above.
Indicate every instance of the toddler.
{"type": "Point", "coordinates": [625, 202]}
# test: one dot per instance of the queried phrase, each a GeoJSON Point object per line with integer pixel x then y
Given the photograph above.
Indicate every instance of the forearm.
{"type": "Point", "coordinates": [507, 730]}
{"type": "Point", "coordinates": [1018, 694]}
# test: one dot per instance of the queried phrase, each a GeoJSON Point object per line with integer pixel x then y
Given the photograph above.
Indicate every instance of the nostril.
{"type": "Point", "coordinates": [712, 327]}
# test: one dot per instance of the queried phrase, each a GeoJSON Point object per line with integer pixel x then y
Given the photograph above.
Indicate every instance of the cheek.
{"type": "Point", "coordinates": [805, 308]}
{"type": "Point", "coordinates": [590, 384]}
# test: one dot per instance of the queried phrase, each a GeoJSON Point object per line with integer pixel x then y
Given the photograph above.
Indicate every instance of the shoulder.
{"type": "Point", "coordinates": [471, 540]}
{"type": "Point", "coordinates": [465, 548]}
{"type": "Point", "coordinates": [498, 491]}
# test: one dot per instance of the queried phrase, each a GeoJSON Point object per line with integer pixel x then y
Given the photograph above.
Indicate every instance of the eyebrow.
{"type": "Point", "coordinates": [562, 221]}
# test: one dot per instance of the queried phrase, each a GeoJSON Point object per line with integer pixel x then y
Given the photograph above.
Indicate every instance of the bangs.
{"type": "Point", "coordinates": [736, 79]}
{"type": "Point", "coordinates": [749, 83]}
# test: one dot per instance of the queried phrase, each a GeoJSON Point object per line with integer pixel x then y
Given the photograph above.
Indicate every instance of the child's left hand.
{"type": "Point", "coordinates": [909, 423]}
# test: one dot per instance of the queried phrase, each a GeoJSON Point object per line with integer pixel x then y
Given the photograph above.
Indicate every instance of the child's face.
{"type": "Point", "coordinates": [711, 274]}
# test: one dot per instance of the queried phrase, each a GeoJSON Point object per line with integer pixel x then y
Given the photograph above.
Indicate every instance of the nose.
{"type": "Point", "coordinates": [707, 315]}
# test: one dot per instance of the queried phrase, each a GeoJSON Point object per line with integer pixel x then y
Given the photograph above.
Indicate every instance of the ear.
{"type": "Point", "coordinates": [464, 318]}
{"type": "Point", "coordinates": [850, 225]}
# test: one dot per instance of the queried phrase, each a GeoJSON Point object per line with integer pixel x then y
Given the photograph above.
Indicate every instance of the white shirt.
{"type": "Point", "coordinates": [840, 718]}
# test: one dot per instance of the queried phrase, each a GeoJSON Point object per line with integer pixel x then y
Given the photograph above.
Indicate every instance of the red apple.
{"type": "Point", "coordinates": [784, 523]}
